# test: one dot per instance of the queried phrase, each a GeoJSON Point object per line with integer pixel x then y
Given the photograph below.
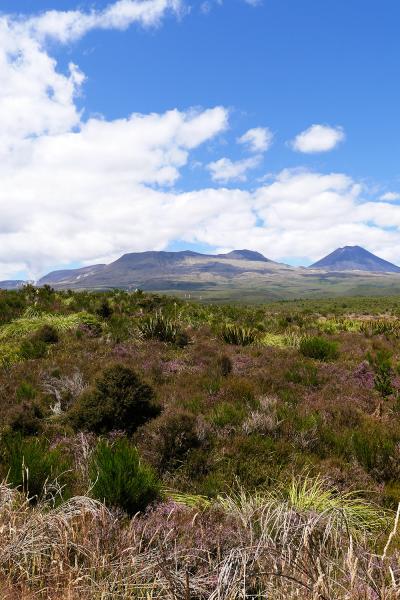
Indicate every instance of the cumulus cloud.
{"type": "Point", "coordinates": [225, 170]}
{"type": "Point", "coordinates": [66, 26]}
{"type": "Point", "coordinates": [318, 138]}
{"type": "Point", "coordinates": [86, 194]}
{"type": "Point", "coordinates": [258, 139]}
{"type": "Point", "coordinates": [390, 197]}
{"type": "Point", "coordinates": [75, 190]}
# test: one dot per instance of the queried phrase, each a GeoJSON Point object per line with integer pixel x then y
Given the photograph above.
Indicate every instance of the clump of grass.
{"type": "Point", "coordinates": [196, 501]}
{"type": "Point", "coordinates": [228, 414]}
{"type": "Point", "coordinates": [386, 327]}
{"type": "Point", "coordinates": [30, 323]}
{"type": "Point", "coordinates": [273, 339]}
{"type": "Point", "coordinates": [163, 329]}
{"type": "Point", "coordinates": [238, 335]}
{"type": "Point", "coordinates": [347, 508]}
{"type": "Point", "coordinates": [9, 354]}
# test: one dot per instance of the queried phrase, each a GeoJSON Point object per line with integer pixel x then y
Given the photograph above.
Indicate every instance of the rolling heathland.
{"type": "Point", "coordinates": [156, 448]}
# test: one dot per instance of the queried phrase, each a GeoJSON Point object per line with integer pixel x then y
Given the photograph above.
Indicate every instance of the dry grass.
{"type": "Point", "coordinates": [83, 551]}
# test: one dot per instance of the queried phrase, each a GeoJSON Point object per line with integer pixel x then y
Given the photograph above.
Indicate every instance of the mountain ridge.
{"type": "Point", "coordinates": [243, 275]}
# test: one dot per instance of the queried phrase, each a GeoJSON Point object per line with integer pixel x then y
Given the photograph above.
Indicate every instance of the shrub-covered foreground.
{"type": "Point", "coordinates": [156, 448]}
{"type": "Point", "coordinates": [298, 545]}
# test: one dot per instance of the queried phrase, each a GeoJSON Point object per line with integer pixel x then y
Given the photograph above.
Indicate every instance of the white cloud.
{"type": "Point", "coordinates": [75, 191]}
{"type": "Point", "coordinates": [86, 194]}
{"type": "Point", "coordinates": [225, 170]}
{"type": "Point", "coordinates": [258, 139]}
{"type": "Point", "coordinates": [390, 197]}
{"type": "Point", "coordinates": [66, 26]}
{"type": "Point", "coordinates": [207, 5]}
{"type": "Point", "coordinates": [318, 138]}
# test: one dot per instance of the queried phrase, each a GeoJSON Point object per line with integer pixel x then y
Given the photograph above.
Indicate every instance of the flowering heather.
{"type": "Point", "coordinates": [364, 374]}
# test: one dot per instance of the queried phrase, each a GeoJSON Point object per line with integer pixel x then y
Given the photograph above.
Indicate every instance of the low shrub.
{"type": "Point", "coordinates": [318, 348]}
{"type": "Point", "coordinates": [119, 328]}
{"type": "Point", "coordinates": [168, 439]}
{"type": "Point", "coordinates": [47, 334]}
{"type": "Point", "coordinates": [224, 365]}
{"type": "Point", "coordinates": [120, 479]}
{"type": "Point", "coordinates": [26, 418]}
{"type": "Point", "coordinates": [89, 326]}
{"type": "Point", "coordinates": [104, 310]}
{"type": "Point", "coordinates": [119, 401]}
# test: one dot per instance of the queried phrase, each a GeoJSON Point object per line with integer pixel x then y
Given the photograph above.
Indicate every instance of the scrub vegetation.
{"type": "Point", "coordinates": [157, 448]}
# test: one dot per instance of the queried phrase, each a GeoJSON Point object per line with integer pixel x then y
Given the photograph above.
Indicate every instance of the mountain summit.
{"type": "Point", "coordinates": [354, 258]}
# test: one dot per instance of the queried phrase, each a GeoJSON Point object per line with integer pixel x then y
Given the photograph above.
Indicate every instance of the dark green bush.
{"type": "Point", "coordinates": [104, 310]}
{"type": "Point", "coordinates": [120, 479]}
{"type": "Point", "coordinates": [119, 401]}
{"type": "Point", "coordinates": [26, 418]}
{"type": "Point", "coordinates": [31, 466]}
{"type": "Point", "coordinates": [319, 348]}
{"type": "Point", "coordinates": [47, 334]}
{"type": "Point", "coordinates": [224, 365]}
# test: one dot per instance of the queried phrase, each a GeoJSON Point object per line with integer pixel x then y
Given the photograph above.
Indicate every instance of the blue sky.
{"type": "Point", "coordinates": [281, 66]}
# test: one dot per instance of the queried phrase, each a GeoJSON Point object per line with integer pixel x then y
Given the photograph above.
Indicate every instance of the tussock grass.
{"type": "Point", "coordinates": [80, 550]}
{"type": "Point", "coordinates": [238, 335]}
{"type": "Point", "coordinates": [347, 509]}
{"type": "Point", "coordinates": [289, 339]}
{"type": "Point", "coordinates": [33, 321]}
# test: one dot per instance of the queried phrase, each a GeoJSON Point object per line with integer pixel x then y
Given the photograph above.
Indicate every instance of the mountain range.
{"type": "Point", "coordinates": [237, 275]}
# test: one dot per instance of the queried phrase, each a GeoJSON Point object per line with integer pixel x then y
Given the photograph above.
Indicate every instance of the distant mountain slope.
{"type": "Point", "coordinates": [166, 270]}
{"type": "Point", "coordinates": [69, 275]}
{"type": "Point", "coordinates": [354, 258]}
{"type": "Point", "coordinates": [12, 284]}
{"type": "Point", "coordinates": [240, 275]}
